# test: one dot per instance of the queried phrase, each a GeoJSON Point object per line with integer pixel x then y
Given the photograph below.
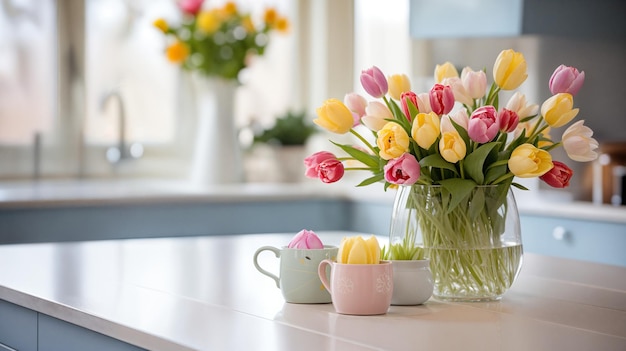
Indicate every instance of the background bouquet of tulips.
{"type": "Point", "coordinates": [453, 145]}
{"type": "Point", "coordinates": [218, 41]}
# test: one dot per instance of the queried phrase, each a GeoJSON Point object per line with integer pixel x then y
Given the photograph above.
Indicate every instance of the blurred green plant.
{"type": "Point", "coordinates": [291, 129]}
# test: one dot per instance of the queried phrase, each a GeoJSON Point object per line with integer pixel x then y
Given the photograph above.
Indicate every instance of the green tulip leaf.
{"type": "Point", "coordinates": [459, 189]}
{"type": "Point", "coordinates": [462, 132]}
{"type": "Point", "coordinates": [474, 162]}
{"type": "Point", "coordinates": [519, 186]}
{"type": "Point", "coordinates": [526, 119]}
{"type": "Point", "coordinates": [495, 173]}
{"type": "Point", "coordinates": [521, 139]}
{"type": "Point", "coordinates": [435, 160]}
{"type": "Point", "coordinates": [371, 180]}
{"type": "Point", "coordinates": [400, 118]}
{"type": "Point", "coordinates": [396, 110]}
{"type": "Point", "coordinates": [413, 110]}
{"type": "Point", "coordinates": [369, 160]}
{"type": "Point", "coordinates": [476, 206]}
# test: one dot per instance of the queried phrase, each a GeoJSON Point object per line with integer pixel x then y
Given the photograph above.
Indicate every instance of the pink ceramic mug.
{"type": "Point", "coordinates": [359, 289]}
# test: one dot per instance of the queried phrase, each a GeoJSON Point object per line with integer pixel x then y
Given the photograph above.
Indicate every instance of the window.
{"type": "Point", "coordinates": [111, 46]}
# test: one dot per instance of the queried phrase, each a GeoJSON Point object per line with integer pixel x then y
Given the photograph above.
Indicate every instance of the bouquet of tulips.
{"type": "Point", "coordinates": [456, 135]}
{"type": "Point", "coordinates": [218, 41]}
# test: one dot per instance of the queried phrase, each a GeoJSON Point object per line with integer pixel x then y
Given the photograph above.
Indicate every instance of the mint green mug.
{"type": "Point", "coordinates": [298, 279]}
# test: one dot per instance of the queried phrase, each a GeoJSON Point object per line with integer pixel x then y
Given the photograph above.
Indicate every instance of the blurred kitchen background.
{"type": "Point", "coordinates": [81, 78]}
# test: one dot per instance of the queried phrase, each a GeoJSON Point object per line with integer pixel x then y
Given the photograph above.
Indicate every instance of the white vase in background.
{"type": "Point", "coordinates": [217, 157]}
{"type": "Point", "coordinates": [290, 163]}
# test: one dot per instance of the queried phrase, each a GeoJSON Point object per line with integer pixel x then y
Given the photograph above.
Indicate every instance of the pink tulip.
{"type": "Point", "coordinates": [306, 239]}
{"type": "Point", "coordinates": [355, 103]}
{"type": "Point", "coordinates": [558, 176]}
{"type": "Point", "coordinates": [474, 82]}
{"type": "Point", "coordinates": [374, 82]}
{"type": "Point", "coordinates": [483, 124]}
{"type": "Point", "coordinates": [312, 162]}
{"type": "Point", "coordinates": [566, 79]}
{"type": "Point", "coordinates": [405, 98]}
{"type": "Point", "coordinates": [191, 7]}
{"type": "Point", "coordinates": [423, 102]}
{"type": "Point", "coordinates": [376, 115]}
{"type": "Point", "coordinates": [508, 120]}
{"type": "Point", "coordinates": [459, 117]}
{"type": "Point", "coordinates": [330, 171]}
{"type": "Point", "coordinates": [441, 99]}
{"type": "Point", "coordinates": [404, 170]}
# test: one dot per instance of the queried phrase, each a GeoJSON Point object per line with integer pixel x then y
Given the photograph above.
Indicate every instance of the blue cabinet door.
{"type": "Point", "coordinates": [18, 327]}
{"type": "Point", "coordinates": [602, 242]}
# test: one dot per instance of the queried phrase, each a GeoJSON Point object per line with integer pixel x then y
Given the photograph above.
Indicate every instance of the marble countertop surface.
{"type": "Point", "coordinates": [203, 293]}
{"type": "Point", "coordinates": [97, 192]}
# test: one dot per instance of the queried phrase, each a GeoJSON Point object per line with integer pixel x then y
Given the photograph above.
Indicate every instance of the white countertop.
{"type": "Point", "coordinates": [203, 293]}
{"type": "Point", "coordinates": [97, 192]}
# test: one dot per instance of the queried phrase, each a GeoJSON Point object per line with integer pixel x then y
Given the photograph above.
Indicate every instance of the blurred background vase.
{"type": "Point", "coordinates": [217, 156]}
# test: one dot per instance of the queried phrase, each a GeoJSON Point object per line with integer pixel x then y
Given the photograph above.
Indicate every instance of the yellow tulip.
{"type": "Point", "coordinates": [557, 110]}
{"type": "Point", "coordinates": [334, 116]}
{"type": "Point", "coordinates": [447, 70]}
{"type": "Point", "coordinates": [398, 84]}
{"type": "Point", "coordinates": [356, 250]}
{"type": "Point", "coordinates": [248, 24]}
{"type": "Point", "coordinates": [392, 141]}
{"type": "Point", "coordinates": [161, 24]}
{"type": "Point", "coordinates": [425, 129]}
{"type": "Point", "coordinates": [527, 161]}
{"type": "Point", "coordinates": [282, 25]}
{"type": "Point", "coordinates": [177, 52]}
{"type": "Point", "coordinates": [270, 16]}
{"type": "Point", "coordinates": [509, 71]}
{"type": "Point", "coordinates": [230, 8]}
{"type": "Point", "coordinates": [452, 147]}
{"type": "Point", "coordinates": [208, 21]}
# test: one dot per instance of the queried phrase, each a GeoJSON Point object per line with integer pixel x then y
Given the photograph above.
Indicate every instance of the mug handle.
{"type": "Point", "coordinates": [256, 263]}
{"type": "Point", "coordinates": [321, 271]}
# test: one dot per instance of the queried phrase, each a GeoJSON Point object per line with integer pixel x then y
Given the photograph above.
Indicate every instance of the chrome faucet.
{"type": "Point", "coordinates": [116, 154]}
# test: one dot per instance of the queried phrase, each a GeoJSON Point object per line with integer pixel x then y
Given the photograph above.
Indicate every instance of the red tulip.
{"type": "Point", "coordinates": [191, 7]}
{"type": "Point", "coordinates": [406, 98]}
{"type": "Point", "coordinates": [441, 99]}
{"type": "Point", "coordinates": [558, 176]}
{"type": "Point", "coordinates": [330, 171]}
{"type": "Point", "coordinates": [508, 120]}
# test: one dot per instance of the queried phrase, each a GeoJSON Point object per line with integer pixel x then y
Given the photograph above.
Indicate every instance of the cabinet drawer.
{"type": "Point", "coordinates": [18, 327]}
{"type": "Point", "coordinates": [55, 334]}
{"type": "Point", "coordinates": [601, 242]}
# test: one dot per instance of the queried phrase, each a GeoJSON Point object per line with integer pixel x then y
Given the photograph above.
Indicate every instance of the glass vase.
{"type": "Point", "coordinates": [474, 244]}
